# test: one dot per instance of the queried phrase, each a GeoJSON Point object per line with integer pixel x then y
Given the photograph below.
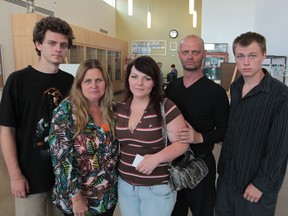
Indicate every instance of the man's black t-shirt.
{"type": "Point", "coordinates": [28, 98]}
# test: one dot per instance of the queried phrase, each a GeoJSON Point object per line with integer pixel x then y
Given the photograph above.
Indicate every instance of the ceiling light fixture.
{"type": "Point", "coordinates": [149, 16]}
{"type": "Point", "coordinates": [130, 7]}
{"type": "Point", "coordinates": [194, 19]}
{"type": "Point", "coordinates": [191, 6]}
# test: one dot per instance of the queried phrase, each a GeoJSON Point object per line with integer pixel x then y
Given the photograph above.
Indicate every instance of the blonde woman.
{"type": "Point", "coordinates": [83, 148]}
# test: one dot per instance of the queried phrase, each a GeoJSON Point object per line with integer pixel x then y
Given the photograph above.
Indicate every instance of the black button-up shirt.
{"type": "Point", "coordinates": [255, 148]}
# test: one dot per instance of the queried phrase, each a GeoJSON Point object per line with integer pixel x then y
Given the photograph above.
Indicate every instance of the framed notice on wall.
{"type": "Point", "coordinates": [148, 47]}
{"type": "Point", "coordinates": [173, 46]}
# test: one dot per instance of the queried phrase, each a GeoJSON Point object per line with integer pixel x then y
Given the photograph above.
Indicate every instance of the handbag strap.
{"type": "Point", "coordinates": [164, 129]}
{"type": "Point", "coordinates": [164, 124]}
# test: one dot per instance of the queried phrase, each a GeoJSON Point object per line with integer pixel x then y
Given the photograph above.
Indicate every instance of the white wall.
{"type": "Point", "coordinates": [89, 14]}
{"type": "Point", "coordinates": [271, 19]}
{"type": "Point", "coordinates": [224, 20]}
{"type": "Point", "coordinates": [70, 68]}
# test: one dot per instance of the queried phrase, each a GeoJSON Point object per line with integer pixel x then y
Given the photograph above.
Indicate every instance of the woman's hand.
{"type": "Point", "coordinates": [80, 207]}
{"type": "Point", "coordinates": [148, 164]}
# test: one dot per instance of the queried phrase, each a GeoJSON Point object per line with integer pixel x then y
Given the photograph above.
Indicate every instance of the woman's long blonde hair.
{"type": "Point", "coordinates": [81, 109]}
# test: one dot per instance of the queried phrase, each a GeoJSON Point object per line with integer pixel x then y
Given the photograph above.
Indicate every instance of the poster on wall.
{"type": "Point", "coordinates": [148, 47]}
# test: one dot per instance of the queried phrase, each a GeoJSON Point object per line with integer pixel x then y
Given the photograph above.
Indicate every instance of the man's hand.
{"type": "Point", "coordinates": [19, 187]}
{"type": "Point", "coordinates": [252, 194]}
{"type": "Point", "coordinates": [189, 135]}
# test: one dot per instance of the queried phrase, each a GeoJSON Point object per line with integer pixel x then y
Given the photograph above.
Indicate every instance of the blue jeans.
{"type": "Point", "coordinates": [145, 200]}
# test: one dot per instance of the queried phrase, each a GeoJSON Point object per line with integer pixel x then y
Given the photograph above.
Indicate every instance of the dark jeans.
{"type": "Point", "coordinates": [230, 202]}
{"type": "Point", "coordinates": [201, 199]}
{"type": "Point", "coordinates": [107, 213]}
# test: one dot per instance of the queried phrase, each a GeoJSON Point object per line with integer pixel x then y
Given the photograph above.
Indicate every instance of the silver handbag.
{"type": "Point", "coordinates": [186, 172]}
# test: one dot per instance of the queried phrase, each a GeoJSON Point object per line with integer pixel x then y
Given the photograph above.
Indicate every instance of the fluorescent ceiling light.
{"type": "Point", "coordinates": [148, 19]}
{"type": "Point", "coordinates": [194, 19]}
{"type": "Point", "coordinates": [130, 7]}
{"type": "Point", "coordinates": [191, 6]}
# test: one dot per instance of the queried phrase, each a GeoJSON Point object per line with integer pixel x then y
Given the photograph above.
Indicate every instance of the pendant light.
{"type": "Point", "coordinates": [191, 6]}
{"type": "Point", "coordinates": [130, 7]}
{"type": "Point", "coordinates": [194, 19]}
{"type": "Point", "coordinates": [149, 16]}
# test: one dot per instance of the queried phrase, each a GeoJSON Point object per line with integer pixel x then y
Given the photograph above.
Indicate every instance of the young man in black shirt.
{"type": "Point", "coordinates": [253, 157]}
{"type": "Point", "coordinates": [29, 97]}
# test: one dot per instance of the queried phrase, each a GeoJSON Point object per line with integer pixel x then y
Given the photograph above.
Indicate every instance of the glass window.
{"type": "Point", "coordinates": [111, 64]}
{"type": "Point", "coordinates": [76, 54]}
{"type": "Point", "coordinates": [101, 56]}
{"type": "Point", "coordinates": [91, 53]}
{"type": "Point", "coordinates": [118, 74]}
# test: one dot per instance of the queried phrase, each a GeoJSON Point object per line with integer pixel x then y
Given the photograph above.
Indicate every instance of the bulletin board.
{"type": "Point", "coordinates": [148, 47]}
